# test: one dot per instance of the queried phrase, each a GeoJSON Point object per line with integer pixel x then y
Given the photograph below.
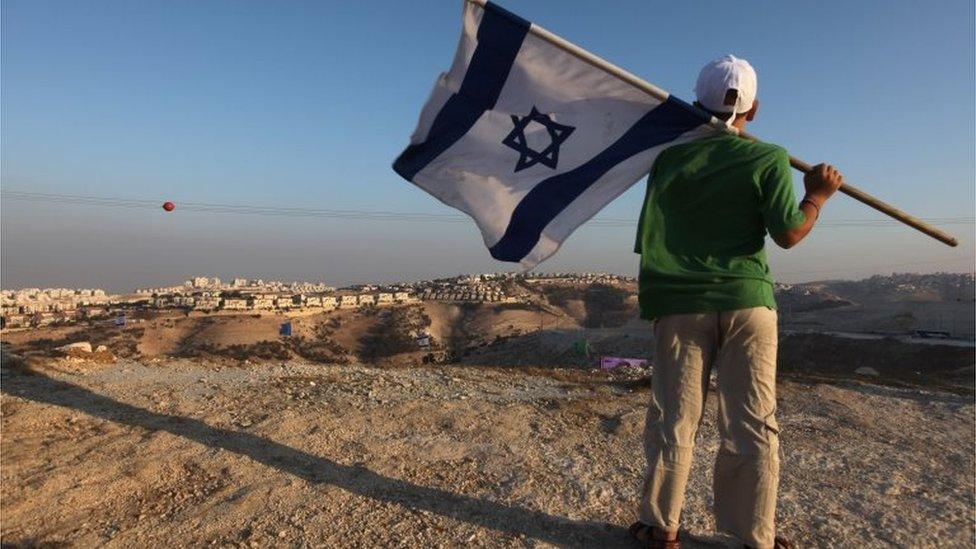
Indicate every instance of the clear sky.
{"type": "Point", "coordinates": [306, 104]}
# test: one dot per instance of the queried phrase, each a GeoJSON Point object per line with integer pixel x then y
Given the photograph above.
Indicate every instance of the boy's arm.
{"type": "Point", "coordinates": [821, 183]}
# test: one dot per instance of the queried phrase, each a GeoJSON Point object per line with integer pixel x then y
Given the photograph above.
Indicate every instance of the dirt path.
{"type": "Point", "coordinates": [172, 453]}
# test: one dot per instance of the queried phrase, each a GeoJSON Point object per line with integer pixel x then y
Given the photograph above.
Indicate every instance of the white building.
{"type": "Point", "coordinates": [15, 321]}
{"type": "Point", "coordinates": [235, 304]}
{"type": "Point", "coordinates": [203, 282]}
{"type": "Point", "coordinates": [207, 304]}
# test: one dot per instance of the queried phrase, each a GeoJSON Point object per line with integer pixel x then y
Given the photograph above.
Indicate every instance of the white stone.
{"type": "Point", "coordinates": [78, 346]}
{"type": "Point", "coordinates": [867, 371]}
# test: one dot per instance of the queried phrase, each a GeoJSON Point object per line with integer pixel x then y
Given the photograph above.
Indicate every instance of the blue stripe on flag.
{"type": "Point", "coordinates": [500, 36]}
{"type": "Point", "coordinates": [550, 197]}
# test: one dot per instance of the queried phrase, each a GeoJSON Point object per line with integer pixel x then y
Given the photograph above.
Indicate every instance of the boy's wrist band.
{"type": "Point", "coordinates": [812, 203]}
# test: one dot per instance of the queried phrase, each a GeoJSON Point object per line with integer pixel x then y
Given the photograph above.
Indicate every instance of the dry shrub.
{"type": "Point", "coordinates": [392, 334]}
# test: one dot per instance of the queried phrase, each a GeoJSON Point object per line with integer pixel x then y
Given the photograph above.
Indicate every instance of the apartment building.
{"type": "Point", "coordinates": [234, 304]}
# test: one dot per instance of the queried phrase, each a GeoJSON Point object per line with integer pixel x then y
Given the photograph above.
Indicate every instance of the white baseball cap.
{"type": "Point", "coordinates": [718, 77]}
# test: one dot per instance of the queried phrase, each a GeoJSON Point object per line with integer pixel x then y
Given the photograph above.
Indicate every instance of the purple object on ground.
{"type": "Point", "coordinates": [611, 362]}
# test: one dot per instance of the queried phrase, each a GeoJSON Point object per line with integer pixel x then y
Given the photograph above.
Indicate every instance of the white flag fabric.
{"type": "Point", "coordinates": [531, 141]}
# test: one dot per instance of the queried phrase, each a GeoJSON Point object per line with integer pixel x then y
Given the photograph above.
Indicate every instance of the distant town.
{"type": "Point", "coordinates": [33, 307]}
{"type": "Point", "coordinates": [201, 295]}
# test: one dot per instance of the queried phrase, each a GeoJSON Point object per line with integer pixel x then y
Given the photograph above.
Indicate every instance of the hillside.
{"type": "Point", "coordinates": [555, 325]}
{"type": "Point", "coordinates": [895, 304]}
{"type": "Point", "coordinates": [440, 423]}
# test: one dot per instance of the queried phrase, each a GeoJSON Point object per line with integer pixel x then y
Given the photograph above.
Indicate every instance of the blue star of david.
{"type": "Point", "coordinates": [528, 157]}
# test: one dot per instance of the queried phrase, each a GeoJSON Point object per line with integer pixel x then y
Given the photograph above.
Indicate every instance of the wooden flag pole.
{"type": "Point", "coordinates": [880, 205]}
{"type": "Point", "coordinates": [798, 164]}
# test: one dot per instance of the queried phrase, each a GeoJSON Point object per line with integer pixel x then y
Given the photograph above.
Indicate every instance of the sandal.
{"type": "Point", "coordinates": [652, 537]}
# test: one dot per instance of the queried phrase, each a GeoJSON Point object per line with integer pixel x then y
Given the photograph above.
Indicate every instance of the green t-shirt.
{"type": "Point", "coordinates": [702, 230]}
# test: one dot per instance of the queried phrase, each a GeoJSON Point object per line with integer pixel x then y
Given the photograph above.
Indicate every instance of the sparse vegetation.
{"type": "Point", "coordinates": [517, 306]}
{"type": "Point", "coordinates": [606, 306]}
{"type": "Point", "coordinates": [560, 295]}
{"type": "Point", "coordinates": [322, 349]}
{"type": "Point", "coordinates": [393, 333]}
{"type": "Point", "coordinates": [267, 350]}
{"type": "Point", "coordinates": [121, 342]}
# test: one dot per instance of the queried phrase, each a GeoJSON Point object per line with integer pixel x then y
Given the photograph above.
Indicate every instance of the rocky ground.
{"type": "Point", "coordinates": [179, 452]}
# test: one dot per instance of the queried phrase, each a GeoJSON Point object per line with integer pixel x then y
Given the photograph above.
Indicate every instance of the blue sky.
{"type": "Point", "coordinates": [307, 103]}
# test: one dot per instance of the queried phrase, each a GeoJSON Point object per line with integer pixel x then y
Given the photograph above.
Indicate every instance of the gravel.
{"type": "Point", "coordinates": [178, 452]}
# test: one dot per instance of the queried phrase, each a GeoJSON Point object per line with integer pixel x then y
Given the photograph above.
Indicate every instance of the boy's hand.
{"type": "Point", "coordinates": [822, 182]}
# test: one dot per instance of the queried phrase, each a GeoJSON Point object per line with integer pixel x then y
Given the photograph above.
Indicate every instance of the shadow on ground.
{"type": "Point", "coordinates": [496, 516]}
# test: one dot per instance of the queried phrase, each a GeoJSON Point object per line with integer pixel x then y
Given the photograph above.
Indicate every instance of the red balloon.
{"type": "Point", "coordinates": [169, 206]}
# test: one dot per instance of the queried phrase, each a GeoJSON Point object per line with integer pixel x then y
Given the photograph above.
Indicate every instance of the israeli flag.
{"type": "Point", "coordinates": [530, 140]}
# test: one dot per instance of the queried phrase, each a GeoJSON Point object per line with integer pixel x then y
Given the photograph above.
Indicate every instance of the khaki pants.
{"type": "Point", "coordinates": [741, 344]}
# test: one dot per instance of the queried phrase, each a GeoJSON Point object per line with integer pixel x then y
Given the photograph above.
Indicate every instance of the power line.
{"type": "Point", "coordinates": [287, 211]}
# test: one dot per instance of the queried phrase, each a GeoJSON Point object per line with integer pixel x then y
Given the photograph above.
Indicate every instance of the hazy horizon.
{"type": "Point", "coordinates": [227, 277]}
{"type": "Point", "coordinates": [305, 105]}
